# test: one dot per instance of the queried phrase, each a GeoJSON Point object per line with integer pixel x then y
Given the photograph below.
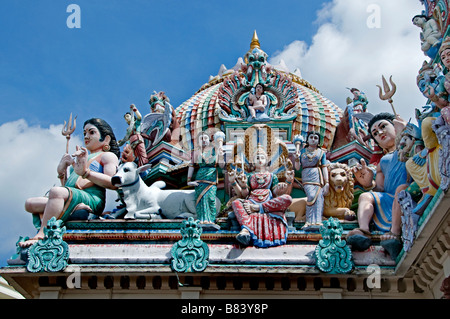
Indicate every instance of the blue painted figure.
{"type": "Point", "coordinates": [380, 204]}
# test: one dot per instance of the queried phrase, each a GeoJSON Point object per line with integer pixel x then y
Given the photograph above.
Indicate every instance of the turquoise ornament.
{"type": "Point", "coordinates": [51, 254]}
{"type": "Point", "coordinates": [190, 254]}
{"type": "Point", "coordinates": [332, 253]}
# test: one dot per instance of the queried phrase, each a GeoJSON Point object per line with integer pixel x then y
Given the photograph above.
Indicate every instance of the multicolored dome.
{"type": "Point", "coordinates": [222, 100]}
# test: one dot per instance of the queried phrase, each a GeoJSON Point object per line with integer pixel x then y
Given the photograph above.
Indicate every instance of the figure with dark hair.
{"type": "Point", "coordinates": [379, 204]}
{"type": "Point", "coordinates": [312, 160]}
{"type": "Point", "coordinates": [257, 104]}
{"type": "Point", "coordinates": [263, 201]}
{"type": "Point", "coordinates": [430, 36]}
{"type": "Point", "coordinates": [206, 157]}
{"type": "Point", "coordinates": [133, 135]}
{"type": "Point", "coordinates": [83, 179]}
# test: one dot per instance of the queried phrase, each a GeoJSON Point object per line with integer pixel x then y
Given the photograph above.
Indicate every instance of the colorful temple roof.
{"type": "Point", "coordinates": [312, 110]}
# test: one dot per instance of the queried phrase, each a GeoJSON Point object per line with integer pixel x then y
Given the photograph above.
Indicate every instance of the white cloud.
{"type": "Point", "coordinates": [28, 169]}
{"type": "Point", "coordinates": [345, 52]}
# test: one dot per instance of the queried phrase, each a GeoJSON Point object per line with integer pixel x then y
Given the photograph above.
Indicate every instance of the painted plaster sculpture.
{"type": "Point", "coordinates": [190, 254]}
{"type": "Point", "coordinates": [313, 163]}
{"type": "Point", "coordinates": [332, 253]}
{"type": "Point", "coordinates": [258, 85]}
{"type": "Point", "coordinates": [161, 124]}
{"type": "Point", "coordinates": [358, 117]}
{"type": "Point", "coordinates": [409, 142]}
{"type": "Point", "coordinates": [207, 157]}
{"type": "Point", "coordinates": [339, 199]}
{"type": "Point", "coordinates": [262, 198]}
{"type": "Point", "coordinates": [257, 105]}
{"type": "Point", "coordinates": [442, 131]}
{"type": "Point", "coordinates": [409, 219]}
{"type": "Point", "coordinates": [424, 166]}
{"type": "Point", "coordinates": [83, 185]}
{"type": "Point", "coordinates": [51, 254]}
{"type": "Point", "coordinates": [379, 203]}
{"type": "Point", "coordinates": [152, 202]}
{"type": "Point", "coordinates": [430, 36]}
{"type": "Point", "coordinates": [133, 137]}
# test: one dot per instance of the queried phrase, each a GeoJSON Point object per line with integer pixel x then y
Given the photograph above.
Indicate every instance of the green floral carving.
{"type": "Point", "coordinates": [50, 254]}
{"type": "Point", "coordinates": [332, 253]}
{"type": "Point", "coordinates": [190, 254]}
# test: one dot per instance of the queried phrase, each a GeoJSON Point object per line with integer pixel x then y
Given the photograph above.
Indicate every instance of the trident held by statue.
{"type": "Point", "coordinates": [388, 92]}
{"type": "Point", "coordinates": [68, 129]}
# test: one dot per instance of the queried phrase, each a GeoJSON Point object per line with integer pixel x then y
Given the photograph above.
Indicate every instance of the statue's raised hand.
{"type": "Point", "coordinates": [363, 174]}
{"type": "Point", "coordinates": [232, 176]}
{"type": "Point", "coordinates": [65, 162]}
{"type": "Point", "coordinates": [242, 179]}
{"type": "Point", "coordinates": [81, 164]}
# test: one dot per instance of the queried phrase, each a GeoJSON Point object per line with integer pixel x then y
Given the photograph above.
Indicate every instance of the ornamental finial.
{"type": "Point", "coordinates": [255, 42]}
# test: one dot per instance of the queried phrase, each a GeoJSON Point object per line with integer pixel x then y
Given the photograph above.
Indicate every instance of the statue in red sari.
{"type": "Point", "coordinates": [260, 210]}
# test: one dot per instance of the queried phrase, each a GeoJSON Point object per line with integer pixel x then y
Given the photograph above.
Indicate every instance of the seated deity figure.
{"type": "Point", "coordinates": [379, 204]}
{"type": "Point", "coordinates": [312, 161]}
{"type": "Point", "coordinates": [430, 35]}
{"type": "Point", "coordinates": [257, 105]}
{"type": "Point", "coordinates": [84, 176]}
{"type": "Point", "coordinates": [260, 210]}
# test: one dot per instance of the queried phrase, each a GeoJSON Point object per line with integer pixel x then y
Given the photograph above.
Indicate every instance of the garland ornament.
{"type": "Point", "coordinates": [51, 254]}
{"type": "Point", "coordinates": [190, 254]}
{"type": "Point", "coordinates": [332, 253]}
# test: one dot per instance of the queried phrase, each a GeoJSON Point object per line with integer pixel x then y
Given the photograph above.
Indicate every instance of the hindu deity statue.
{"type": "Point", "coordinates": [207, 157]}
{"type": "Point", "coordinates": [379, 204]}
{"type": "Point", "coordinates": [161, 124]}
{"type": "Point", "coordinates": [133, 137]}
{"type": "Point", "coordinates": [261, 177]}
{"type": "Point", "coordinates": [357, 116]}
{"type": "Point", "coordinates": [257, 105]}
{"type": "Point", "coordinates": [312, 161]}
{"type": "Point", "coordinates": [257, 92]}
{"type": "Point", "coordinates": [424, 166]}
{"type": "Point", "coordinates": [264, 200]}
{"type": "Point", "coordinates": [84, 177]}
{"type": "Point", "coordinates": [430, 36]}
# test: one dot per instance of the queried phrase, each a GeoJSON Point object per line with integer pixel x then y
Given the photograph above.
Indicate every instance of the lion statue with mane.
{"type": "Point", "coordinates": [340, 196]}
{"type": "Point", "coordinates": [339, 199]}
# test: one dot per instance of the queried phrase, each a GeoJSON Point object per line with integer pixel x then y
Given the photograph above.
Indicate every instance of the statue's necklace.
{"type": "Point", "coordinates": [310, 154]}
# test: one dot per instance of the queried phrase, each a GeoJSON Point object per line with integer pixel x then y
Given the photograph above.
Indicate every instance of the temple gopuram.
{"type": "Point", "coordinates": [257, 186]}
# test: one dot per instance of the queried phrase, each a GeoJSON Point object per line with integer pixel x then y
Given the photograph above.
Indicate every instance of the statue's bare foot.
{"type": "Point", "coordinates": [30, 241]}
{"type": "Point", "coordinates": [251, 208]}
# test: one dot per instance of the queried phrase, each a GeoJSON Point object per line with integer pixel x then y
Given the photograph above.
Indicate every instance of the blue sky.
{"type": "Point", "coordinates": [125, 50]}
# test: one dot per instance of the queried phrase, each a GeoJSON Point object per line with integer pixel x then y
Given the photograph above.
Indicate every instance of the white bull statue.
{"type": "Point", "coordinates": [152, 202]}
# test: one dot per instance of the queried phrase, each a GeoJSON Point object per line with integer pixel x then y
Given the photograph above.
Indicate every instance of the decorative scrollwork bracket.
{"type": "Point", "coordinates": [190, 254]}
{"type": "Point", "coordinates": [332, 253]}
{"type": "Point", "coordinates": [51, 254]}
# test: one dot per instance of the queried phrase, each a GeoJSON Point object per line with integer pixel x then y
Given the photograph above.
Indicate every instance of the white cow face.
{"type": "Point", "coordinates": [128, 173]}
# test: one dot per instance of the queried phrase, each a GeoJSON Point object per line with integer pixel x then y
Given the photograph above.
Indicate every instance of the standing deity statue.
{"type": "Point", "coordinates": [133, 137]}
{"type": "Point", "coordinates": [312, 161]}
{"type": "Point", "coordinates": [207, 157]}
